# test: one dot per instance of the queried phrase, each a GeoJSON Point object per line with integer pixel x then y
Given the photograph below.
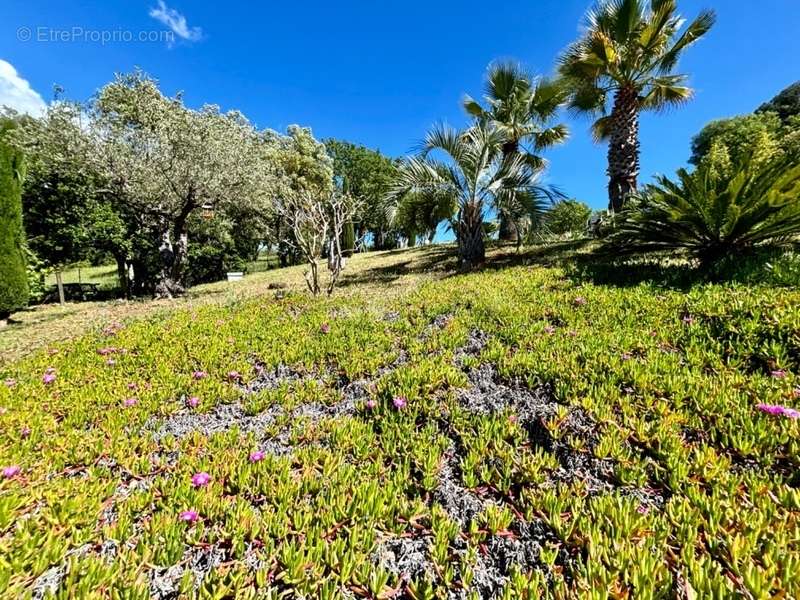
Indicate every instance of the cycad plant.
{"type": "Point", "coordinates": [625, 59]}
{"type": "Point", "coordinates": [714, 216]}
{"type": "Point", "coordinates": [475, 175]}
{"type": "Point", "coordinates": [522, 107]}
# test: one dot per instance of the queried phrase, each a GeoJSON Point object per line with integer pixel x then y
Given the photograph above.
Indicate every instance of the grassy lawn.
{"type": "Point", "coordinates": [525, 431]}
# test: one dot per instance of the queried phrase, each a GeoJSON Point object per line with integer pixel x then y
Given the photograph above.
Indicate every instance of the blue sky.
{"type": "Point", "coordinates": [380, 73]}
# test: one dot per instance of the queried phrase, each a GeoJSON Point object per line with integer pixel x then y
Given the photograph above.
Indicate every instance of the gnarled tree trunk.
{"type": "Point", "coordinates": [623, 148]}
{"type": "Point", "coordinates": [469, 234]}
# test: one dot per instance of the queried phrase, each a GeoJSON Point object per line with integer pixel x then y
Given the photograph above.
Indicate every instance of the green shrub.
{"type": "Point", "coordinates": [13, 275]}
{"type": "Point", "coordinates": [567, 216]}
{"type": "Point", "coordinates": [712, 216]}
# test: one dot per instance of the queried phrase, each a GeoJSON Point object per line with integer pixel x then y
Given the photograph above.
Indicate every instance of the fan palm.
{"type": "Point", "coordinates": [626, 57]}
{"type": "Point", "coordinates": [474, 175]}
{"type": "Point", "coordinates": [521, 107]}
{"type": "Point", "coordinates": [713, 216]}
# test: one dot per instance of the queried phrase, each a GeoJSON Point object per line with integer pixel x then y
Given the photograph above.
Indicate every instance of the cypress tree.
{"type": "Point", "coordinates": [348, 239]}
{"type": "Point", "coordinates": [13, 274]}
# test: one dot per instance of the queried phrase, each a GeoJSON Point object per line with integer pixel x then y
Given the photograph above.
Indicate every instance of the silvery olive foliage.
{"type": "Point", "coordinates": [165, 160]}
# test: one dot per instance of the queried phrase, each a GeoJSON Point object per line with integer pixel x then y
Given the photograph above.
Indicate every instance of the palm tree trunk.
{"type": "Point", "coordinates": [469, 232]}
{"type": "Point", "coordinates": [623, 148]}
{"type": "Point", "coordinates": [508, 229]}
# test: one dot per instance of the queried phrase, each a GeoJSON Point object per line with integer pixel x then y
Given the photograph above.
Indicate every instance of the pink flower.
{"type": "Point", "coordinates": [325, 328]}
{"type": "Point", "coordinates": [642, 509]}
{"type": "Point", "coordinates": [111, 362]}
{"type": "Point", "coordinates": [687, 320]}
{"type": "Point", "coordinates": [10, 382]}
{"type": "Point", "coordinates": [371, 404]}
{"type": "Point", "coordinates": [579, 301]}
{"type": "Point", "coordinates": [197, 375]}
{"type": "Point", "coordinates": [106, 351]}
{"type": "Point", "coordinates": [130, 402]}
{"type": "Point", "coordinates": [193, 402]}
{"type": "Point", "coordinates": [257, 456]}
{"type": "Point", "coordinates": [132, 386]}
{"type": "Point", "coordinates": [778, 410]}
{"type": "Point", "coordinates": [190, 516]}
{"type": "Point", "coordinates": [550, 329]}
{"type": "Point", "coordinates": [201, 479]}
{"type": "Point", "coordinates": [49, 377]}
{"type": "Point", "coordinates": [112, 328]}
{"type": "Point", "coordinates": [779, 374]}
{"type": "Point", "coordinates": [399, 402]}
{"type": "Point", "coordinates": [626, 356]}
{"type": "Point", "coordinates": [12, 471]}
{"type": "Point", "coordinates": [25, 432]}
{"type": "Point", "coordinates": [512, 418]}
{"type": "Point", "coordinates": [234, 375]}
{"type": "Point", "coordinates": [796, 392]}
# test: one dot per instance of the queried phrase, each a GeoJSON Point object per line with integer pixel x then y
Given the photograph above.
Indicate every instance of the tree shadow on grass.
{"type": "Point", "coordinates": [440, 259]}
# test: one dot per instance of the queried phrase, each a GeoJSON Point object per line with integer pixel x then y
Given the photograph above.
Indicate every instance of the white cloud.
{"type": "Point", "coordinates": [17, 93]}
{"type": "Point", "coordinates": [176, 22]}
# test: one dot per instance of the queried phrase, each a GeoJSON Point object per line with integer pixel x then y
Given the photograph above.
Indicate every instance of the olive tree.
{"type": "Point", "coordinates": [164, 160]}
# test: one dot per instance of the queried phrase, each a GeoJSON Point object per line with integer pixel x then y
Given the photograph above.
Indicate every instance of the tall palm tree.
{"type": "Point", "coordinates": [475, 175]}
{"type": "Point", "coordinates": [626, 57]}
{"type": "Point", "coordinates": [522, 107]}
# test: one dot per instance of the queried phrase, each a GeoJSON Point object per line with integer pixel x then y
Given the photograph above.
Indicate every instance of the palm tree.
{"type": "Point", "coordinates": [521, 106]}
{"type": "Point", "coordinates": [475, 175]}
{"type": "Point", "coordinates": [627, 56]}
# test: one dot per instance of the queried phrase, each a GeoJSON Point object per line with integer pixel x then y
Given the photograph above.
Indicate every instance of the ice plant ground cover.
{"type": "Point", "coordinates": [513, 433]}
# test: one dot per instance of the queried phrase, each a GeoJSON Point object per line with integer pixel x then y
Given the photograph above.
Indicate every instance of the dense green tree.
{"type": "Point", "coordinates": [13, 273]}
{"type": "Point", "coordinates": [475, 176]}
{"type": "Point", "coordinates": [366, 175]}
{"type": "Point", "coordinates": [523, 107]}
{"type": "Point", "coordinates": [712, 216]}
{"type": "Point", "coordinates": [747, 137]}
{"type": "Point", "coordinates": [625, 59]}
{"type": "Point", "coordinates": [567, 216]}
{"type": "Point", "coordinates": [786, 104]}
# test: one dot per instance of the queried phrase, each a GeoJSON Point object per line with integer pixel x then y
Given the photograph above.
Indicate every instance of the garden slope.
{"type": "Point", "coordinates": [487, 435]}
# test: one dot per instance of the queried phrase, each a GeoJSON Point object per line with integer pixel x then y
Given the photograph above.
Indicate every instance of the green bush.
{"type": "Point", "coordinates": [712, 216]}
{"type": "Point", "coordinates": [567, 216]}
{"type": "Point", "coordinates": [13, 275]}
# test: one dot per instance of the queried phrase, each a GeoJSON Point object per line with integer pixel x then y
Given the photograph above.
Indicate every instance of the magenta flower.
{"type": "Point", "coordinates": [687, 320]}
{"type": "Point", "coordinates": [778, 410]}
{"type": "Point", "coordinates": [371, 404]}
{"type": "Point", "coordinates": [130, 402]}
{"type": "Point", "coordinates": [325, 328]}
{"type": "Point", "coordinates": [579, 301]}
{"type": "Point", "coordinates": [25, 432]}
{"type": "Point", "coordinates": [201, 479]}
{"type": "Point", "coordinates": [550, 329]}
{"type": "Point", "coordinates": [190, 516]}
{"type": "Point", "coordinates": [257, 456]}
{"type": "Point", "coordinates": [49, 376]}
{"type": "Point", "coordinates": [779, 374]}
{"type": "Point", "coordinates": [197, 375]}
{"type": "Point", "coordinates": [10, 382]}
{"type": "Point", "coordinates": [132, 386]}
{"type": "Point", "coordinates": [234, 375]}
{"type": "Point", "coordinates": [12, 471]}
{"type": "Point", "coordinates": [193, 402]}
{"type": "Point", "coordinates": [642, 509]}
{"type": "Point", "coordinates": [111, 362]}
{"type": "Point", "coordinates": [399, 402]}
{"type": "Point", "coordinates": [106, 351]}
